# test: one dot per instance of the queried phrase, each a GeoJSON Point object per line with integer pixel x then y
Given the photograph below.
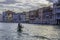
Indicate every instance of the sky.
{"type": "Point", "coordinates": [24, 5]}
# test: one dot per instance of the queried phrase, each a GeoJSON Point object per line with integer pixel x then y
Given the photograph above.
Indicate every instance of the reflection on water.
{"type": "Point", "coordinates": [9, 31]}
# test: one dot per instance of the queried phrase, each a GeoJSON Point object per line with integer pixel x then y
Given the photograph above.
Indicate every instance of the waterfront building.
{"type": "Point", "coordinates": [32, 16]}
{"type": "Point", "coordinates": [15, 17]}
{"type": "Point", "coordinates": [8, 16]}
{"type": "Point", "coordinates": [48, 16]}
{"type": "Point", "coordinates": [22, 17]}
{"type": "Point", "coordinates": [1, 18]}
{"type": "Point", "coordinates": [40, 15]}
{"type": "Point", "coordinates": [56, 10]}
{"type": "Point", "coordinates": [27, 16]}
{"type": "Point", "coordinates": [45, 15]}
{"type": "Point", "coordinates": [19, 17]}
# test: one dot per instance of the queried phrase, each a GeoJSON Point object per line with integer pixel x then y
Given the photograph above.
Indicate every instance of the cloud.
{"type": "Point", "coordinates": [24, 5]}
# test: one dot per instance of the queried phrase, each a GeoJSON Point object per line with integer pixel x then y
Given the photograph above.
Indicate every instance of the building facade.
{"type": "Point", "coordinates": [15, 17]}
{"type": "Point", "coordinates": [45, 15]}
{"type": "Point", "coordinates": [56, 10]}
{"type": "Point", "coordinates": [9, 16]}
{"type": "Point", "coordinates": [22, 17]}
{"type": "Point", "coordinates": [48, 16]}
{"type": "Point", "coordinates": [1, 17]}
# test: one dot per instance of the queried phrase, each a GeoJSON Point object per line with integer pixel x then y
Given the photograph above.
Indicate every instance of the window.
{"type": "Point", "coordinates": [58, 14]}
{"type": "Point", "coordinates": [32, 17]}
{"type": "Point", "coordinates": [50, 17]}
{"type": "Point", "coordinates": [58, 7]}
{"type": "Point", "coordinates": [58, 4]}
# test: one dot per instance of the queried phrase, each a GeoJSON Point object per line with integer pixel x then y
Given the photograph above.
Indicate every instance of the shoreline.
{"type": "Point", "coordinates": [30, 23]}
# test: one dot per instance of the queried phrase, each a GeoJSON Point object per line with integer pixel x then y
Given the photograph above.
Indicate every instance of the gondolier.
{"type": "Point", "coordinates": [19, 27]}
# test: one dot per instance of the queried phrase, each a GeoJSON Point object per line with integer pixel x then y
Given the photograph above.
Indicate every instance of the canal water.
{"type": "Point", "coordinates": [8, 31]}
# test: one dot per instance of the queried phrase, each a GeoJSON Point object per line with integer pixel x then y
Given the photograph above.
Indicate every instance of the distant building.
{"type": "Point", "coordinates": [42, 16]}
{"type": "Point", "coordinates": [9, 16]}
{"type": "Point", "coordinates": [56, 10]}
{"type": "Point", "coordinates": [1, 18]}
{"type": "Point", "coordinates": [45, 15]}
{"type": "Point", "coordinates": [48, 16]}
{"type": "Point", "coordinates": [32, 16]}
{"type": "Point", "coordinates": [15, 17]}
{"type": "Point", "coordinates": [22, 17]}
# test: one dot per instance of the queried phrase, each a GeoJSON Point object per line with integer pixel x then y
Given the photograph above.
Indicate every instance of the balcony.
{"type": "Point", "coordinates": [57, 10]}
{"type": "Point", "coordinates": [57, 17]}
